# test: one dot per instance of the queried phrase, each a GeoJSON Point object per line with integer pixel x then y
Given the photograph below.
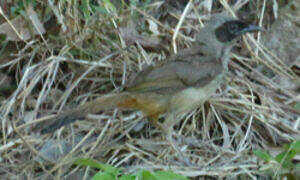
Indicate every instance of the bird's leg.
{"type": "Point", "coordinates": [153, 119]}
{"type": "Point", "coordinates": [168, 129]}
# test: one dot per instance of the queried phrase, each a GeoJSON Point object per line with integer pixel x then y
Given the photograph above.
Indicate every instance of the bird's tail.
{"type": "Point", "coordinates": [106, 102]}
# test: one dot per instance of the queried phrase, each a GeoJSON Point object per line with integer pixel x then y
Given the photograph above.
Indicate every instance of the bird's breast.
{"type": "Point", "coordinates": [192, 97]}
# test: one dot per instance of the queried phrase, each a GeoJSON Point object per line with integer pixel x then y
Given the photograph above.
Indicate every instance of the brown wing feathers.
{"type": "Point", "coordinates": [147, 104]}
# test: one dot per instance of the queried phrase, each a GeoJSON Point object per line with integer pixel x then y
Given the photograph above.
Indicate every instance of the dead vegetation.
{"type": "Point", "coordinates": [60, 54]}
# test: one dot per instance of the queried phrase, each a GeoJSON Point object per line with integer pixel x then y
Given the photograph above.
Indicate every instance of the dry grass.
{"type": "Point", "coordinates": [89, 56]}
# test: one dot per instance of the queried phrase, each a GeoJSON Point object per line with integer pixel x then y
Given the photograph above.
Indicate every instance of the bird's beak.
{"type": "Point", "coordinates": [250, 28]}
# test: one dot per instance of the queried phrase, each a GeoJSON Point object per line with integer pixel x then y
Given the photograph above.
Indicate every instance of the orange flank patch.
{"type": "Point", "coordinates": [149, 106]}
{"type": "Point", "coordinates": [128, 103]}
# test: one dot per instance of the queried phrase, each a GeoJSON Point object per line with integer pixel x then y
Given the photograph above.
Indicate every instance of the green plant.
{"type": "Point", "coordinates": [282, 164]}
{"type": "Point", "coordinates": [19, 7]}
{"type": "Point", "coordinates": [108, 172]}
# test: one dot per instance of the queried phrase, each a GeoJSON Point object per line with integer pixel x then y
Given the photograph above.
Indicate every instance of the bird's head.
{"type": "Point", "coordinates": [231, 29]}
{"type": "Point", "coordinates": [225, 29]}
{"type": "Point", "coordinates": [221, 33]}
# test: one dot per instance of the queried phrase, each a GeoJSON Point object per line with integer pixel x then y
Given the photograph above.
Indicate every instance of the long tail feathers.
{"type": "Point", "coordinates": [102, 103]}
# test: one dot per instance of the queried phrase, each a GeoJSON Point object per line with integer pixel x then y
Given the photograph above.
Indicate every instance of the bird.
{"type": "Point", "coordinates": [174, 86]}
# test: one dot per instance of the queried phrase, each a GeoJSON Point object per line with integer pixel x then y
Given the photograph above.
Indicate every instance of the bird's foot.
{"type": "Point", "coordinates": [177, 148]}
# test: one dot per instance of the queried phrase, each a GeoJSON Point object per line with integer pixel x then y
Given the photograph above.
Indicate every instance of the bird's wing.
{"type": "Point", "coordinates": [189, 69]}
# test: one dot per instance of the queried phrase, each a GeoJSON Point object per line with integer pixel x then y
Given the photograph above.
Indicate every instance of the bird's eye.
{"type": "Point", "coordinates": [233, 27]}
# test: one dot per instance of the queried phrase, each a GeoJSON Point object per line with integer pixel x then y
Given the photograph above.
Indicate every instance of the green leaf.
{"type": "Point", "coordinates": [103, 176]}
{"type": "Point", "coordinates": [294, 146]}
{"type": "Point", "coordinates": [168, 175]}
{"type": "Point", "coordinates": [109, 6]}
{"type": "Point", "coordinates": [88, 162]}
{"type": "Point", "coordinates": [3, 37]}
{"type": "Point", "coordinates": [297, 106]}
{"type": "Point", "coordinates": [95, 164]}
{"type": "Point", "coordinates": [280, 156]}
{"type": "Point", "coordinates": [145, 175]}
{"type": "Point", "coordinates": [264, 155]}
{"type": "Point", "coordinates": [85, 9]}
{"type": "Point", "coordinates": [288, 165]}
{"type": "Point", "coordinates": [285, 158]}
{"type": "Point", "coordinates": [99, 9]}
{"type": "Point", "coordinates": [134, 2]}
{"type": "Point", "coordinates": [127, 177]}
